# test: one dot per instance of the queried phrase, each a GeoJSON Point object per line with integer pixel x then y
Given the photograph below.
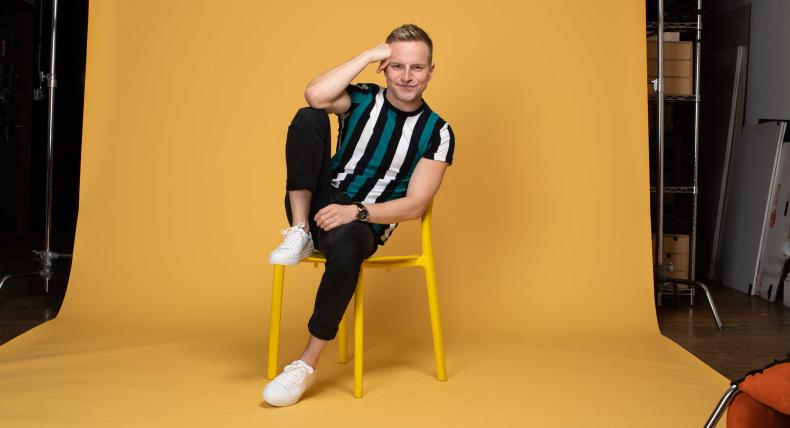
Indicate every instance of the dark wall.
{"type": "Point", "coordinates": [18, 38]}
{"type": "Point", "coordinates": [70, 65]}
{"type": "Point", "coordinates": [769, 65]}
{"type": "Point", "coordinates": [29, 29]}
{"type": "Point", "coordinates": [726, 25]}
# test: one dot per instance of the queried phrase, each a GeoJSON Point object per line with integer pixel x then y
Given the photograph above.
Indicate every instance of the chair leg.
{"type": "Point", "coordinates": [342, 351]}
{"type": "Point", "coordinates": [359, 298]}
{"type": "Point", "coordinates": [274, 321]}
{"type": "Point", "coordinates": [436, 322]}
{"type": "Point", "coordinates": [721, 406]}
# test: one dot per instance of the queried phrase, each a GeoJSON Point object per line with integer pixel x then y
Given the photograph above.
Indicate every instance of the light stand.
{"type": "Point", "coordinates": [46, 256]}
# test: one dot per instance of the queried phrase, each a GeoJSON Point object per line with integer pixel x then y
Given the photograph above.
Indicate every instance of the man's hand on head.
{"type": "Point", "coordinates": [381, 53]}
{"type": "Point", "coordinates": [334, 215]}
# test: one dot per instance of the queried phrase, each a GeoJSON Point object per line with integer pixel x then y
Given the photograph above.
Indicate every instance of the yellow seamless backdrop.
{"type": "Point", "coordinates": [541, 226]}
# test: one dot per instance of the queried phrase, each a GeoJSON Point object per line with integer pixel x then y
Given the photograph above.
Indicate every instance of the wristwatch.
{"type": "Point", "coordinates": [362, 214]}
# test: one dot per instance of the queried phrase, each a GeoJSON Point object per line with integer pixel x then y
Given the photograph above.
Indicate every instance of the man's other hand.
{"type": "Point", "coordinates": [381, 53]}
{"type": "Point", "coordinates": [334, 215]}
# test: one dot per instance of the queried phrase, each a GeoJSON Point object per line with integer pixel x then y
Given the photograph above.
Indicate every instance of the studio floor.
{"type": "Point", "coordinates": [756, 332]}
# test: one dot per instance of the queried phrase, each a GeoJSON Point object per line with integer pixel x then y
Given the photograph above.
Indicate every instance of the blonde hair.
{"type": "Point", "coordinates": [411, 32]}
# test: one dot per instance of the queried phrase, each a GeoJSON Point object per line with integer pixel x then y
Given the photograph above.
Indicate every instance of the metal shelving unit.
{"type": "Point", "coordinates": [676, 190]}
{"type": "Point", "coordinates": [662, 282]}
{"type": "Point", "coordinates": [675, 98]}
{"type": "Point", "coordinates": [674, 26]}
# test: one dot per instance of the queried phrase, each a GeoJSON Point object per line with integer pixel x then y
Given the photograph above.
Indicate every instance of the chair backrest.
{"type": "Point", "coordinates": [425, 231]}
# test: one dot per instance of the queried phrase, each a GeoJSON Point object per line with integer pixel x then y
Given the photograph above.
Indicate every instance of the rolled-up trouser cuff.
{"type": "Point", "coordinates": [305, 183]}
{"type": "Point", "coordinates": [322, 333]}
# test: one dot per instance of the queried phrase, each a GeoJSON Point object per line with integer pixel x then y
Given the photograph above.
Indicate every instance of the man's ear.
{"type": "Point", "coordinates": [430, 71]}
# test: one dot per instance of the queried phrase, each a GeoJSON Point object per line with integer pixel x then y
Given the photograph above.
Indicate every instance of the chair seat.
{"type": "Point", "coordinates": [375, 261]}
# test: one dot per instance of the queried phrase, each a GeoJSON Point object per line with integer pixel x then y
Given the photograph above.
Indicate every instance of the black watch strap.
{"type": "Point", "coordinates": [362, 214]}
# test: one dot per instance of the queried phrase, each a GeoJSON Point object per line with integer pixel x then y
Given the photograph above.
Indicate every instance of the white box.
{"type": "Point", "coordinates": [751, 185]}
{"type": "Point", "coordinates": [776, 231]}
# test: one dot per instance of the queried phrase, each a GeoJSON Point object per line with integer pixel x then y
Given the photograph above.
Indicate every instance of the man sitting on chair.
{"type": "Point", "coordinates": [392, 152]}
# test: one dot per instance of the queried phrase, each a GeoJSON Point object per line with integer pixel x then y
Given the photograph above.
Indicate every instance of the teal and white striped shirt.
{"type": "Point", "coordinates": [378, 147]}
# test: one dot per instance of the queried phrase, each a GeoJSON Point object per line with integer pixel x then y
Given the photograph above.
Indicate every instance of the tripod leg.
{"type": "Point", "coordinates": [17, 275]}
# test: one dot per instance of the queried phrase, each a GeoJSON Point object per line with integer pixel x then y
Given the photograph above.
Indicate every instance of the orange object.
{"type": "Point", "coordinates": [746, 412]}
{"type": "Point", "coordinates": [764, 399]}
{"type": "Point", "coordinates": [770, 386]}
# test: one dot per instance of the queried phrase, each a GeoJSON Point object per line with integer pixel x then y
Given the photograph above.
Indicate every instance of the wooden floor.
{"type": "Point", "coordinates": [24, 303]}
{"type": "Point", "coordinates": [755, 332]}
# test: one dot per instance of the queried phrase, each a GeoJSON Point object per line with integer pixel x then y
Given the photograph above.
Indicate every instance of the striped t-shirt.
{"type": "Point", "coordinates": [378, 147]}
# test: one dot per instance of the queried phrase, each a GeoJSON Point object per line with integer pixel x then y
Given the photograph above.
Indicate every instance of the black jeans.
{"type": "Point", "coordinates": [307, 155]}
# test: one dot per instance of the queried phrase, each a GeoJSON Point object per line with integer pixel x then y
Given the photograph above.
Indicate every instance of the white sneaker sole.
{"type": "Point", "coordinates": [283, 402]}
{"type": "Point", "coordinates": [290, 261]}
{"type": "Point", "coordinates": [278, 403]}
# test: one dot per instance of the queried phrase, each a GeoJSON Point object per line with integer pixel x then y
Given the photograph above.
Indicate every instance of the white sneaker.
{"type": "Point", "coordinates": [288, 386]}
{"type": "Point", "coordinates": [296, 245]}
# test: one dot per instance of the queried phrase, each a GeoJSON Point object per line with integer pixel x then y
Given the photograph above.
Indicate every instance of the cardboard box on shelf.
{"type": "Point", "coordinates": [681, 274]}
{"type": "Point", "coordinates": [669, 36]}
{"type": "Point", "coordinates": [672, 50]}
{"type": "Point", "coordinates": [674, 244]}
{"type": "Point", "coordinates": [674, 86]}
{"type": "Point", "coordinates": [679, 261]}
{"type": "Point", "coordinates": [677, 275]}
{"type": "Point", "coordinates": [681, 287]}
{"type": "Point", "coordinates": [672, 68]}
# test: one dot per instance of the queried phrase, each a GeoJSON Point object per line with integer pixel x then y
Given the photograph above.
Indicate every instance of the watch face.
{"type": "Point", "coordinates": [362, 215]}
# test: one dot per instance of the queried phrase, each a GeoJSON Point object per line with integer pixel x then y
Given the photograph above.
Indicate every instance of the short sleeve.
{"type": "Point", "coordinates": [360, 93]}
{"type": "Point", "coordinates": [442, 144]}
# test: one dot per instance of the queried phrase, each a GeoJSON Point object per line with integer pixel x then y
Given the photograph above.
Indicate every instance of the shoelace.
{"type": "Point", "coordinates": [292, 374]}
{"type": "Point", "coordinates": [291, 236]}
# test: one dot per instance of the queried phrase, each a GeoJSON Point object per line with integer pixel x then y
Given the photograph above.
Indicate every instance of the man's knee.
{"type": "Point", "coordinates": [310, 116]}
{"type": "Point", "coordinates": [347, 244]}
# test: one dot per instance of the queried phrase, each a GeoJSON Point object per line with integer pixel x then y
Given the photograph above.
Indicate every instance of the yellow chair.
{"type": "Point", "coordinates": [424, 260]}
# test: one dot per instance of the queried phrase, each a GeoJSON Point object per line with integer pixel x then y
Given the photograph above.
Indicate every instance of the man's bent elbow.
{"type": "Point", "coordinates": [312, 98]}
{"type": "Point", "coordinates": [420, 210]}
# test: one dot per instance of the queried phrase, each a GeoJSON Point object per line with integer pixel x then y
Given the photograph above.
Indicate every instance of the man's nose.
{"type": "Point", "coordinates": [407, 74]}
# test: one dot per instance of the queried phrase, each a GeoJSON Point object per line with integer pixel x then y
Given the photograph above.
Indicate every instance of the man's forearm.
{"type": "Point", "coordinates": [423, 186]}
{"type": "Point", "coordinates": [396, 210]}
{"type": "Point", "coordinates": [328, 86]}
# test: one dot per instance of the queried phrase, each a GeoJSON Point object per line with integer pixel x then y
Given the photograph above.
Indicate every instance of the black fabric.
{"type": "Point", "coordinates": [753, 372]}
{"type": "Point", "coordinates": [345, 247]}
{"type": "Point", "coordinates": [307, 152]}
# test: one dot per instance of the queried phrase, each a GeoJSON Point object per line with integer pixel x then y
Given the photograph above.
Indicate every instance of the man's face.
{"type": "Point", "coordinates": [408, 71]}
